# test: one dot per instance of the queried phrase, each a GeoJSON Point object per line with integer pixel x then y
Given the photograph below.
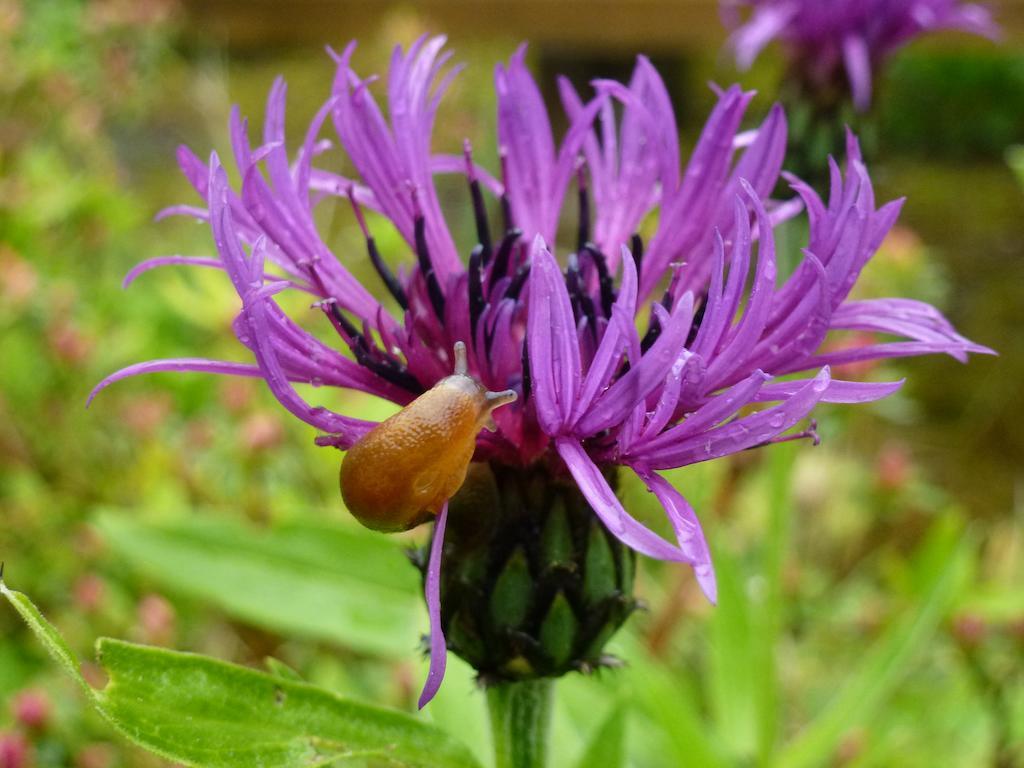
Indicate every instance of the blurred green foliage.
{"type": "Point", "coordinates": [956, 104]}
{"type": "Point", "coordinates": [868, 617]}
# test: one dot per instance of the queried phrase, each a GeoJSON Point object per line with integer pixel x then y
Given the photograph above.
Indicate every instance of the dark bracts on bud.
{"type": "Point", "coordinates": [532, 584]}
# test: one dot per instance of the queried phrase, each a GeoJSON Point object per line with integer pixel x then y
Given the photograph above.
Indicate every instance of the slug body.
{"type": "Point", "coordinates": [404, 469]}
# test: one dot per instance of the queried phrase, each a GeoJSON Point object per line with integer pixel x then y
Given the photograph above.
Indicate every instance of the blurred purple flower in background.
{"type": "Point", "coordinates": [594, 391]}
{"type": "Point", "coordinates": [829, 39]}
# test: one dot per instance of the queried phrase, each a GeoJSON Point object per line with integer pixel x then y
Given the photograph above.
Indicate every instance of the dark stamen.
{"type": "Point", "coordinates": [476, 288]}
{"type": "Point", "coordinates": [518, 281]}
{"type": "Point", "coordinates": [583, 226]}
{"type": "Point", "coordinates": [654, 327]}
{"type": "Point", "coordinates": [573, 284]}
{"type": "Point", "coordinates": [483, 230]}
{"type": "Point", "coordinates": [637, 247]}
{"type": "Point", "coordinates": [388, 369]}
{"type": "Point", "coordinates": [603, 276]}
{"type": "Point", "coordinates": [386, 275]}
{"type": "Point", "coordinates": [527, 381]}
{"type": "Point", "coordinates": [506, 206]}
{"type": "Point", "coordinates": [427, 267]}
{"type": "Point", "coordinates": [811, 433]}
{"type": "Point", "coordinates": [381, 364]}
{"type": "Point", "coordinates": [506, 213]}
{"type": "Point", "coordinates": [587, 307]}
{"type": "Point", "coordinates": [698, 318]}
{"type": "Point", "coordinates": [582, 304]}
{"type": "Point", "coordinates": [653, 332]}
{"type": "Point", "coordinates": [500, 266]}
{"type": "Point", "coordinates": [390, 281]}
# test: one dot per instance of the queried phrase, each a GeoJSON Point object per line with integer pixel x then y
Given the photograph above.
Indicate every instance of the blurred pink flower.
{"type": "Point", "coordinates": [31, 708]}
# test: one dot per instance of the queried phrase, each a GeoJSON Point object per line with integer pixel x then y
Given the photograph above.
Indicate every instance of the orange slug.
{"type": "Point", "coordinates": [404, 469]}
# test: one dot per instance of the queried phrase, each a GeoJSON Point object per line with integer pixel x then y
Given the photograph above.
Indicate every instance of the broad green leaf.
{"type": "Point", "coordinates": [889, 660]}
{"type": "Point", "coordinates": [324, 582]}
{"type": "Point", "coordinates": [607, 747]}
{"type": "Point", "coordinates": [204, 712]}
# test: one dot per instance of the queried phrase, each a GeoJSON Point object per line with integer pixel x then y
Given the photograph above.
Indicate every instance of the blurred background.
{"type": "Point", "coordinates": [872, 611]}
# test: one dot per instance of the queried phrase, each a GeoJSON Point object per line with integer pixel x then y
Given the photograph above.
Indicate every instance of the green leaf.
{"type": "Point", "coordinates": [324, 582]}
{"type": "Point", "coordinates": [770, 616]}
{"type": "Point", "coordinates": [890, 659]}
{"type": "Point", "coordinates": [746, 623]}
{"type": "Point", "coordinates": [607, 747]}
{"type": "Point", "coordinates": [734, 659]}
{"type": "Point", "coordinates": [204, 712]}
{"type": "Point", "coordinates": [278, 668]}
{"type": "Point", "coordinates": [45, 631]}
{"type": "Point", "coordinates": [669, 699]}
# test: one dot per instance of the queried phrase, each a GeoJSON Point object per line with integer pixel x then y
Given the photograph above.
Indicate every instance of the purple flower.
{"type": "Point", "coordinates": [594, 392]}
{"type": "Point", "coordinates": [826, 37]}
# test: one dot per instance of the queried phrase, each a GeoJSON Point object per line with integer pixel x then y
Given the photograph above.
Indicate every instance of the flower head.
{"type": "Point", "coordinates": [826, 38]}
{"type": "Point", "coordinates": [556, 322]}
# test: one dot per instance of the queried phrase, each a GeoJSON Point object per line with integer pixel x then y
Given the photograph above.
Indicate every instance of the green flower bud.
{"type": "Point", "coordinates": [532, 585]}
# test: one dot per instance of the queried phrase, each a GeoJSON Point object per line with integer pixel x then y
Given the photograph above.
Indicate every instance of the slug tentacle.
{"type": "Point", "coordinates": [461, 367]}
{"type": "Point", "coordinates": [402, 472]}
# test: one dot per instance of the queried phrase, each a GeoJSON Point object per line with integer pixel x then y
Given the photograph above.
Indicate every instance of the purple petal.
{"type": "Point", "coordinates": [190, 211]}
{"type": "Point", "coordinates": [255, 310]}
{"type": "Point", "coordinates": [715, 410]}
{"type": "Point", "coordinates": [837, 392]}
{"type": "Point", "coordinates": [395, 160]}
{"type": "Point", "coordinates": [163, 261]}
{"type": "Point", "coordinates": [457, 164]}
{"type": "Point", "coordinates": [857, 60]}
{"type": "Point", "coordinates": [686, 377]}
{"type": "Point", "coordinates": [798, 331]}
{"type": "Point", "coordinates": [524, 131]}
{"type": "Point", "coordinates": [177, 365]}
{"type": "Point", "coordinates": [764, 25]}
{"type": "Point", "coordinates": [737, 435]}
{"type": "Point", "coordinates": [688, 530]}
{"type": "Point", "coordinates": [609, 351]}
{"type": "Point", "coordinates": [553, 344]}
{"type": "Point", "coordinates": [885, 352]}
{"type": "Point", "coordinates": [686, 211]}
{"type": "Point", "coordinates": [902, 317]}
{"type": "Point", "coordinates": [246, 274]}
{"type": "Point", "coordinates": [740, 347]}
{"type": "Point", "coordinates": [762, 162]}
{"type": "Point", "coordinates": [644, 377]}
{"type": "Point", "coordinates": [606, 505]}
{"type": "Point", "coordinates": [432, 590]}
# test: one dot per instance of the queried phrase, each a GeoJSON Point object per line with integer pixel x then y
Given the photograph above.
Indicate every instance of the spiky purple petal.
{"type": "Point", "coordinates": [848, 36]}
{"type": "Point", "coordinates": [432, 593]}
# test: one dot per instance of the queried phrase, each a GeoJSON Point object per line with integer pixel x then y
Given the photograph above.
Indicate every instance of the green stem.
{"type": "Point", "coordinates": [520, 721]}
